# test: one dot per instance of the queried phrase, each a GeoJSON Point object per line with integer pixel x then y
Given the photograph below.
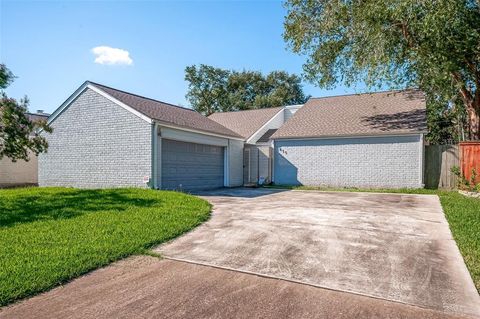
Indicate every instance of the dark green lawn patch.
{"type": "Point", "coordinates": [462, 213]}
{"type": "Point", "coordinates": [51, 235]}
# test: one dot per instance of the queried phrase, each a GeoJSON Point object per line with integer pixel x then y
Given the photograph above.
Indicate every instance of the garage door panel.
{"type": "Point", "coordinates": [191, 166]}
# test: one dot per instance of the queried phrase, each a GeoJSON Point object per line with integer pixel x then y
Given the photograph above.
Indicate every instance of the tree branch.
{"type": "Point", "coordinates": [465, 93]}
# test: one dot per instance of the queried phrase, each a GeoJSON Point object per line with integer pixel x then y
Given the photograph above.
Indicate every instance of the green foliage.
{"type": "Point", "coordinates": [51, 235]}
{"type": "Point", "coordinates": [213, 89]}
{"type": "Point", "coordinates": [207, 88]}
{"type": "Point", "coordinates": [456, 171]}
{"type": "Point", "coordinates": [463, 183]}
{"type": "Point", "coordinates": [433, 45]}
{"type": "Point", "coordinates": [6, 76]}
{"type": "Point", "coordinates": [18, 135]}
{"type": "Point", "coordinates": [446, 125]}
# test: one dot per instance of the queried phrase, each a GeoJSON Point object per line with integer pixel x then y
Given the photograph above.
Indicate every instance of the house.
{"type": "Point", "coordinates": [104, 137]}
{"type": "Point", "coordinates": [359, 140]}
{"type": "Point", "coordinates": [366, 140]}
{"type": "Point", "coordinates": [21, 173]}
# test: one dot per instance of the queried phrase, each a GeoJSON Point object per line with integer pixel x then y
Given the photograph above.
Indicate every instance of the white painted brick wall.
{"type": "Point", "coordinates": [96, 144]}
{"type": "Point", "coordinates": [235, 156]}
{"type": "Point", "coordinates": [392, 162]}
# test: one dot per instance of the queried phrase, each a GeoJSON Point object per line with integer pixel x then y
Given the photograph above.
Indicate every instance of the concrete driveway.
{"type": "Point", "coordinates": [389, 246]}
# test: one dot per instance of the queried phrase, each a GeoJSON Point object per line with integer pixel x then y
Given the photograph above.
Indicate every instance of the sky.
{"type": "Point", "coordinates": [141, 47]}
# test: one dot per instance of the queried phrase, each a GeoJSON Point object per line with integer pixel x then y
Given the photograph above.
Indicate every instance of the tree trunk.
{"type": "Point", "coordinates": [474, 120]}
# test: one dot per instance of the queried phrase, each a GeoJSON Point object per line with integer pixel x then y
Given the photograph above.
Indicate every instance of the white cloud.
{"type": "Point", "coordinates": [111, 56]}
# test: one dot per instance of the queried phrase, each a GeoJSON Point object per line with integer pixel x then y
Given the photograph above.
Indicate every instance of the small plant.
{"type": "Point", "coordinates": [473, 178]}
{"type": "Point", "coordinates": [463, 183]}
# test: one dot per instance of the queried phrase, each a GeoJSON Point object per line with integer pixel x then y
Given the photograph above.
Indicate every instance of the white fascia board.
{"type": "Point", "coordinates": [345, 136]}
{"type": "Point", "coordinates": [249, 140]}
{"type": "Point", "coordinates": [67, 102]}
{"type": "Point", "coordinates": [121, 104]}
{"type": "Point", "coordinates": [86, 85]}
{"type": "Point", "coordinates": [180, 128]}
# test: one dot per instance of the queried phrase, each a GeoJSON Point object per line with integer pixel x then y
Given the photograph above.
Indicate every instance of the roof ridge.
{"type": "Point", "coordinates": [141, 96]}
{"type": "Point", "coordinates": [240, 111]}
{"type": "Point", "coordinates": [39, 114]}
{"type": "Point", "coordinates": [364, 93]}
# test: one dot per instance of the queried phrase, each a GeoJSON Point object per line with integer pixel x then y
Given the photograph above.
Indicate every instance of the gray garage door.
{"type": "Point", "coordinates": [190, 166]}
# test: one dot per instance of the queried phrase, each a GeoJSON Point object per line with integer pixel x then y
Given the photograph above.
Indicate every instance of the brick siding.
{"type": "Point", "coordinates": [96, 144]}
{"type": "Point", "coordinates": [392, 162]}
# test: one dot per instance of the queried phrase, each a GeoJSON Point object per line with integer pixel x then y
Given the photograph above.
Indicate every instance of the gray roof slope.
{"type": "Point", "coordinates": [266, 137]}
{"type": "Point", "coordinates": [245, 123]}
{"type": "Point", "coordinates": [381, 113]}
{"type": "Point", "coordinates": [167, 113]}
{"type": "Point", "coordinates": [34, 117]}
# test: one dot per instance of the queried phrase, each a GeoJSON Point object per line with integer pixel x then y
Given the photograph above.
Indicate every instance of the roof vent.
{"type": "Point", "coordinates": [40, 111]}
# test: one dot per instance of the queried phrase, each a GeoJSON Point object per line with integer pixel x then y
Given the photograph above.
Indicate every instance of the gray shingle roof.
{"type": "Point", "coordinates": [167, 113]}
{"type": "Point", "coordinates": [381, 113]}
{"type": "Point", "coordinates": [245, 123]}
{"type": "Point", "coordinates": [266, 137]}
{"type": "Point", "coordinates": [37, 117]}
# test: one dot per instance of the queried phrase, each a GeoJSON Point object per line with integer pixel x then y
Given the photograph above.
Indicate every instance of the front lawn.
{"type": "Point", "coordinates": [51, 235]}
{"type": "Point", "coordinates": [462, 213]}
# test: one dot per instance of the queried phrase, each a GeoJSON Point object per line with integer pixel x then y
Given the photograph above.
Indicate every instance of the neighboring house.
{"type": "Point", "coordinates": [103, 137]}
{"type": "Point", "coordinates": [21, 173]}
{"type": "Point", "coordinates": [366, 140]}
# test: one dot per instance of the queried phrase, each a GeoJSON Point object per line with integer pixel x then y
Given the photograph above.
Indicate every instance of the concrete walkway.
{"type": "Point", "coordinates": [390, 246]}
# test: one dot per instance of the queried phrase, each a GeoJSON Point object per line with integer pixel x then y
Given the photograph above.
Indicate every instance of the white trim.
{"type": "Point", "coordinates": [294, 106]}
{"type": "Point", "coordinates": [422, 160]}
{"type": "Point", "coordinates": [226, 170]}
{"type": "Point", "coordinates": [86, 85]}
{"type": "Point", "coordinates": [345, 136]}
{"type": "Point", "coordinates": [248, 141]}
{"type": "Point", "coordinates": [248, 150]}
{"type": "Point", "coordinates": [159, 158]}
{"type": "Point", "coordinates": [273, 163]}
{"type": "Point", "coordinates": [154, 151]}
{"type": "Point", "coordinates": [180, 128]}
{"type": "Point", "coordinates": [67, 102]}
{"type": "Point", "coordinates": [125, 106]}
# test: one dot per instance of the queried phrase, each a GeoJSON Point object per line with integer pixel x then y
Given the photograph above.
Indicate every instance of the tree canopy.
{"type": "Point", "coordinates": [214, 89]}
{"type": "Point", "coordinates": [18, 135]}
{"type": "Point", "coordinates": [432, 45]}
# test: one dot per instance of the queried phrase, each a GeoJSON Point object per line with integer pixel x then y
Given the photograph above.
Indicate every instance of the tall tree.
{"type": "Point", "coordinates": [433, 45]}
{"type": "Point", "coordinates": [212, 89]}
{"type": "Point", "coordinates": [18, 135]}
{"type": "Point", "coordinates": [207, 88]}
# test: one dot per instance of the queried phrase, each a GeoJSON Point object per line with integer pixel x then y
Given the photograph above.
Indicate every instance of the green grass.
{"type": "Point", "coordinates": [462, 213]}
{"type": "Point", "coordinates": [51, 235]}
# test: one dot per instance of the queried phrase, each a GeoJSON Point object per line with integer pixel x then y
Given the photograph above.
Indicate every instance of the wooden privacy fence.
{"type": "Point", "coordinates": [470, 159]}
{"type": "Point", "coordinates": [439, 159]}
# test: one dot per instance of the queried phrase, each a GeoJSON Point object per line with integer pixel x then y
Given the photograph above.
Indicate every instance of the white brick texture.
{"type": "Point", "coordinates": [96, 144]}
{"type": "Point", "coordinates": [392, 162]}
